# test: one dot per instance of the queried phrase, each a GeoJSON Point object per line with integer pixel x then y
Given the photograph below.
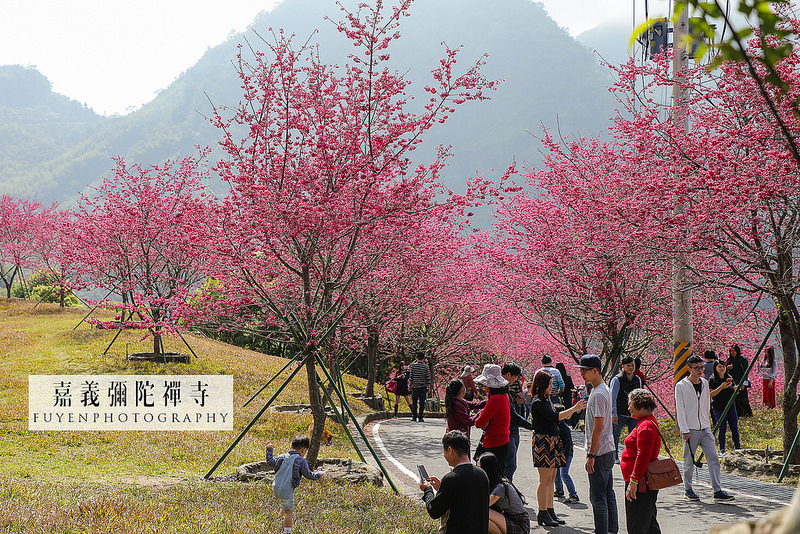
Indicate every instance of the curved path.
{"type": "Point", "coordinates": [402, 444]}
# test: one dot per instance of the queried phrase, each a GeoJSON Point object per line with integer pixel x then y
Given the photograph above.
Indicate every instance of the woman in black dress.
{"type": "Point", "coordinates": [548, 453]}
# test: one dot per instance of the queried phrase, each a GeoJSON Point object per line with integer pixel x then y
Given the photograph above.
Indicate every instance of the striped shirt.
{"type": "Point", "coordinates": [420, 375]}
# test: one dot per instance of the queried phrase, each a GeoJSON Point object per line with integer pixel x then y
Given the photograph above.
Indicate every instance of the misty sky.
{"type": "Point", "coordinates": [115, 55]}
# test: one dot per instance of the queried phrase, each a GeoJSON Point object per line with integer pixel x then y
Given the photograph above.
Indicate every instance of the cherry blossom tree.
{"type": "Point", "coordinates": [448, 312]}
{"type": "Point", "coordinates": [143, 235]}
{"type": "Point", "coordinates": [561, 256]}
{"type": "Point", "coordinates": [321, 183]}
{"type": "Point", "coordinates": [735, 176]}
{"type": "Point", "coordinates": [391, 293]}
{"type": "Point", "coordinates": [55, 252]}
{"type": "Point", "coordinates": [739, 179]}
{"type": "Point", "coordinates": [18, 225]}
{"type": "Point", "coordinates": [585, 252]}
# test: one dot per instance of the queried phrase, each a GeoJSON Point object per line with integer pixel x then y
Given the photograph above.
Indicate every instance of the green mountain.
{"type": "Point", "coordinates": [52, 148]}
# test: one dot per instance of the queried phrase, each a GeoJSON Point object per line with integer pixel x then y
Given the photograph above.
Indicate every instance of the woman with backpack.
{"type": "Point", "coordinates": [507, 514]}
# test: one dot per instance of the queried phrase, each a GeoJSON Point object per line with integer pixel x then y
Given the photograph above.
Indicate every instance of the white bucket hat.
{"type": "Point", "coordinates": [491, 376]}
{"type": "Point", "coordinates": [468, 370]}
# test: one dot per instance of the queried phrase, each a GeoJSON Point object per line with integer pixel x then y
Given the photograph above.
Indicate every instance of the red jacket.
{"type": "Point", "coordinates": [641, 447]}
{"type": "Point", "coordinates": [495, 419]}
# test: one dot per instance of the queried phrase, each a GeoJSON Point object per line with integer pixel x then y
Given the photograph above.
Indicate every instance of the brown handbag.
{"type": "Point", "coordinates": [663, 473]}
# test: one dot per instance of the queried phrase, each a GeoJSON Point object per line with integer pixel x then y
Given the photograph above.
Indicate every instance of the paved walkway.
{"type": "Point", "coordinates": [750, 487]}
{"type": "Point", "coordinates": [402, 444]}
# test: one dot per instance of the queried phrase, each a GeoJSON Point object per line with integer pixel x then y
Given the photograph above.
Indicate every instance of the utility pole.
{"type": "Point", "coordinates": [682, 333]}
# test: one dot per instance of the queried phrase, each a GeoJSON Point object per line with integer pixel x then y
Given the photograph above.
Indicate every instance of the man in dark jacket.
{"type": "Point", "coordinates": [622, 384]}
{"type": "Point", "coordinates": [463, 492]}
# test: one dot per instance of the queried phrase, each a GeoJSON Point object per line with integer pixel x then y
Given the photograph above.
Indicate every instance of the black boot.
{"type": "Point", "coordinates": [555, 518]}
{"type": "Point", "coordinates": [544, 519]}
{"type": "Point", "coordinates": [395, 411]}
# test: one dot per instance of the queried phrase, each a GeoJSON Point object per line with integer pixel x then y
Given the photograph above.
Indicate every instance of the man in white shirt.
{"type": "Point", "coordinates": [693, 404]}
{"type": "Point", "coordinates": [599, 447]}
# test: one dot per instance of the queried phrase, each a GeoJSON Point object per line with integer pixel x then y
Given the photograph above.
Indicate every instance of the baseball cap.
{"type": "Point", "coordinates": [590, 361]}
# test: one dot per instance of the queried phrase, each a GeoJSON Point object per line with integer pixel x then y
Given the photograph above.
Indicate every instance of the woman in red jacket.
{"type": "Point", "coordinates": [641, 447]}
{"type": "Point", "coordinates": [495, 418]}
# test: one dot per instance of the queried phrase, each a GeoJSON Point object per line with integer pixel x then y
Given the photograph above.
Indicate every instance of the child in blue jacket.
{"type": "Point", "coordinates": [290, 467]}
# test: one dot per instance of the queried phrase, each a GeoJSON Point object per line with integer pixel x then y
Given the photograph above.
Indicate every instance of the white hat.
{"type": "Point", "coordinates": [491, 377]}
{"type": "Point", "coordinates": [468, 369]}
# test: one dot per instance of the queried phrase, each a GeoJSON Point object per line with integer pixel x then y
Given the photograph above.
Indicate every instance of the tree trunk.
{"type": "Point", "coordinates": [372, 359]}
{"type": "Point", "coordinates": [333, 369]}
{"type": "Point", "coordinates": [431, 366]}
{"type": "Point", "coordinates": [157, 345]}
{"type": "Point", "coordinates": [790, 404]}
{"type": "Point", "coordinates": [310, 350]}
{"type": "Point", "coordinates": [10, 282]}
{"type": "Point", "coordinates": [317, 410]}
{"type": "Point", "coordinates": [617, 340]}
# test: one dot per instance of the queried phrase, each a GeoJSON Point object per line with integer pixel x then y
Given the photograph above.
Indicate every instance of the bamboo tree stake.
{"type": "Point", "coordinates": [791, 451]}
{"type": "Point", "coordinates": [388, 397]}
{"type": "Point", "coordinates": [253, 421]}
{"type": "Point", "coordinates": [360, 430]}
{"type": "Point", "coordinates": [661, 403]}
{"type": "Point", "coordinates": [746, 377]}
{"type": "Point", "coordinates": [112, 341]}
{"type": "Point", "coordinates": [340, 379]}
{"type": "Point", "coordinates": [92, 311]}
{"type": "Point", "coordinates": [50, 290]}
{"type": "Point", "coordinates": [344, 424]}
{"type": "Point", "coordinates": [186, 343]}
{"type": "Point", "coordinates": [80, 299]}
{"type": "Point", "coordinates": [349, 365]}
{"type": "Point", "coordinates": [265, 386]}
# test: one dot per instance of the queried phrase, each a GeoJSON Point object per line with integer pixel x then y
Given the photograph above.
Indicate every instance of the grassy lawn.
{"type": "Point", "coordinates": [151, 481]}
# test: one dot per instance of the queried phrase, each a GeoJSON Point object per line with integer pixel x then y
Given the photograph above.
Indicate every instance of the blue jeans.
{"type": "Point", "coordinates": [622, 420]}
{"type": "Point", "coordinates": [418, 395]}
{"type": "Point", "coordinates": [562, 477]}
{"type": "Point", "coordinates": [601, 495]}
{"type": "Point", "coordinates": [731, 419]}
{"type": "Point", "coordinates": [511, 459]}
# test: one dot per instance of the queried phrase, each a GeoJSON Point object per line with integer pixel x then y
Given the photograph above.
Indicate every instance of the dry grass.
{"type": "Point", "coordinates": [196, 506]}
